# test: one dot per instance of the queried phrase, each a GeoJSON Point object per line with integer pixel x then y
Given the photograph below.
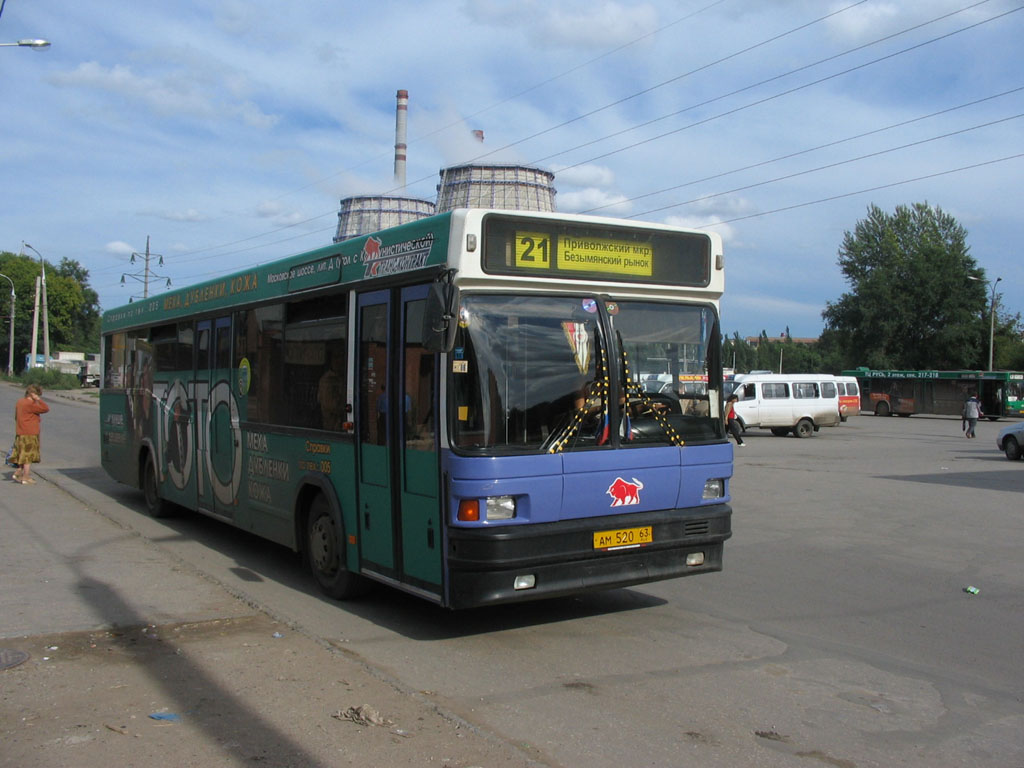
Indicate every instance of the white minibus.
{"type": "Point", "coordinates": [797, 403]}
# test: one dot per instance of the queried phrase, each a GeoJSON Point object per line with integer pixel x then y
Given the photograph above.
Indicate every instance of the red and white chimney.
{"type": "Point", "coordinates": [401, 126]}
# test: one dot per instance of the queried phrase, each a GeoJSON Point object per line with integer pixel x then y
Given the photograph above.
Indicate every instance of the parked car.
{"type": "Point", "coordinates": [1011, 440]}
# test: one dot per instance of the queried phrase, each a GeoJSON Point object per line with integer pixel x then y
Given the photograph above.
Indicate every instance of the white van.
{"type": "Point", "coordinates": [800, 403]}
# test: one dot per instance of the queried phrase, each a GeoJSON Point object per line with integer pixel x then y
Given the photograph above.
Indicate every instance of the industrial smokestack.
{"type": "Point", "coordinates": [401, 123]}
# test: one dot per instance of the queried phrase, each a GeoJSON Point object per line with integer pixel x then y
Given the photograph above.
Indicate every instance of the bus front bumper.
{"type": "Point", "coordinates": [484, 564]}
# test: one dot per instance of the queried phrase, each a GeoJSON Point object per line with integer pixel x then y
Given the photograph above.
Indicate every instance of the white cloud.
{"type": "Point", "coordinates": [576, 23]}
{"type": "Point", "coordinates": [171, 94]}
{"type": "Point", "coordinates": [865, 22]}
{"type": "Point", "coordinates": [276, 212]}
{"type": "Point", "coordinates": [588, 24]}
{"type": "Point", "coordinates": [189, 214]}
{"type": "Point", "coordinates": [119, 248]}
{"type": "Point", "coordinates": [587, 175]}
{"type": "Point", "coordinates": [590, 198]}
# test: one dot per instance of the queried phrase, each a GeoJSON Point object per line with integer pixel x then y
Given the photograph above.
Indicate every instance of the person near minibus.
{"type": "Point", "coordinates": [732, 423]}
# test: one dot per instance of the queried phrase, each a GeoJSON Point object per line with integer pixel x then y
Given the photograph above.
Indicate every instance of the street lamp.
{"type": "Point", "coordinates": [37, 44]}
{"type": "Point", "coordinates": [10, 352]}
{"type": "Point", "coordinates": [992, 316]}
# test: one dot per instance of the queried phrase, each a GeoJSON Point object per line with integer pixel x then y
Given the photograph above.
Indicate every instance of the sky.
{"type": "Point", "coordinates": [227, 131]}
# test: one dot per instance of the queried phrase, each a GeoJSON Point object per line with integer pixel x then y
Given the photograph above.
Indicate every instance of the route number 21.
{"type": "Point", "coordinates": [533, 250]}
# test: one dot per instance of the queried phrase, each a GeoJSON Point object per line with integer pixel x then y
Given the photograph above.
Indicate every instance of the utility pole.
{"type": "Point", "coordinates": [35, 329]}
{"type": "Point", "coordinates": [40, 293]}
{"type": "Point", "coordinates": [147, 273]}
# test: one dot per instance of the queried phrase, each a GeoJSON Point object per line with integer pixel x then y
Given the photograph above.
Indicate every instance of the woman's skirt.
{"type": "Point", "coordinates": [26, 450]}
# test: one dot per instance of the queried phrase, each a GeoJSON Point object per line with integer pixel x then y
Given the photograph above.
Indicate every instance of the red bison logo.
{"type": "Point", "coordinates": [624, 493]}
{"type": "Point", "coordinates": [371, 249]}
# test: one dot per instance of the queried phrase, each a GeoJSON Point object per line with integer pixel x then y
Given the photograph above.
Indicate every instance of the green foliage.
{"type": "Point", "coordinates": [766, 355]}
{"type": "Point", "coordinates": [911, 302]}
{"type": "Point", "coordinates": [48, 378]}
{"type": "Point", "coordinates": [72, 306]}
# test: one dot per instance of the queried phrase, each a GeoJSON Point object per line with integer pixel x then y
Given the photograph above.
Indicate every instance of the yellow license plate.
{"type": "Point", "coordinates": [624, 537]}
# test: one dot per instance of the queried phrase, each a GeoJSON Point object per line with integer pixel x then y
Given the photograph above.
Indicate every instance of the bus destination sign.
{"type": "Point", "coordinates": [626, 254]}
{"type": "Point", "coordinates": [585, 254]}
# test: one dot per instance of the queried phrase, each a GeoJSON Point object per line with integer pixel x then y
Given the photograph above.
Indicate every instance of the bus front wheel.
{"type": "Point", "coordinates": [882, 409]}
{"type": "Point", "coordinates": [325, 553]}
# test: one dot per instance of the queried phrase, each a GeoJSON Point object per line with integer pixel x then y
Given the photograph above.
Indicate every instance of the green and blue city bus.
{"type": "Point", "coordinates": [885, 392]}
{"type": "Point", "coordinates": [453, 406]}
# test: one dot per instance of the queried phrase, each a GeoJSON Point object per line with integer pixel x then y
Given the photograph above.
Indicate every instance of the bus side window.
{"type": "Point", "coordinates": [114, 359]}
{"type": "Point", "coordinates": [749, 392]}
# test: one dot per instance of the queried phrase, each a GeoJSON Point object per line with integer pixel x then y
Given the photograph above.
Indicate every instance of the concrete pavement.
{"type": "Point", "coordinates": [137, 659]}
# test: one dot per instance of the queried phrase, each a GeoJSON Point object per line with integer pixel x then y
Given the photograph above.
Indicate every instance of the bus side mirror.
{"type": "Point", "coordinates": [440, 318]}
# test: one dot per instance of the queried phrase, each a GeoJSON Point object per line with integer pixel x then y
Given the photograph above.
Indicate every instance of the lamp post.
{"type": "Point", "coordinates": [991, 316]}
{"type": "Point", "coordinates": [37, 44]}
{"type": "Point", "coordinates": [10, 351]}
{"type": "Point", "coordinates": [46, 315]}
{"type": "Point", "coordinates": [992, 323]}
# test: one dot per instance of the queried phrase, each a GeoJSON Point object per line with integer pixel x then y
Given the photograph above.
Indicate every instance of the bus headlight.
{"type": "Point", "coordinates": [500, 507]}
{"type": "Point", "coordinates": [714, 488]}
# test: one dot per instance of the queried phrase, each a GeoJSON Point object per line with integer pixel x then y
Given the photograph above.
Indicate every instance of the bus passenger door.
{"type": "Point", "coordinates": [374, 415]}
{"type": "Point", "coordinates": [218, 436]}
{"type": "Point", "coordinates": [419, 464]}
{"type": "Point", "coordinates": [399, 508]}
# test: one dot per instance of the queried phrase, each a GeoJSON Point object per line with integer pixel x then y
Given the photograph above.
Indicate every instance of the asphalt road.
{"type": "Point", "coordinates": [839, 633]}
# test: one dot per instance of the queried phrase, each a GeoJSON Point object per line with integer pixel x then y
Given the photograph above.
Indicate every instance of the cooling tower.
{"type": "Point", "coordinates": [515, 187]}
{"type": "Point", "coordinates": [372, 213]}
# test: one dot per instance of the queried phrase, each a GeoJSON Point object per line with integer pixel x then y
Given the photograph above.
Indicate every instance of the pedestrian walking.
{"type": "Point", "coordinates": [972, 412]}
{"type": "Point", "coordinates": [26, 430]}
{"type": "Point", "coordinates": [732, 422]}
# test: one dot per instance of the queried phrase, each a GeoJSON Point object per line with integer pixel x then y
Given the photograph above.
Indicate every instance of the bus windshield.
{"type": "Point", "coordinates": [535, 373]}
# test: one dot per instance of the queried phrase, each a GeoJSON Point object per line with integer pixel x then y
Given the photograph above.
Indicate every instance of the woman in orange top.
{"type": "Point", "coordinates": [26, 441]}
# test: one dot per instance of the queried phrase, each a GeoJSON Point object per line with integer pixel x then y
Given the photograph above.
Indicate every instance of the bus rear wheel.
{"type": "Point", "coordinates": [325, 553]}
{"type": "Point", "coordinates": [155, 505]}
{"type": "Point", "coordinates": [803, 428]}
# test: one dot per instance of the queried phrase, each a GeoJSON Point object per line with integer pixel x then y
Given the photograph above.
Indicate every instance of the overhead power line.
{"type": "Point", "coordinates": [864, 191]}
{"type": "Point", "coordinates": [791, 155]}
{"type": "Point", "coordinates": [789, 91]}
{"type": "Point", "coordinates": [788, 176]}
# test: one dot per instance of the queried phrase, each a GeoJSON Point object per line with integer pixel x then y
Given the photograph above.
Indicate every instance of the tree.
{"type": "Point", "coordinates": [72, 306]}
{"type": "Point", "coordinates": [912, 303]}
{"type": "Point", "coordinates": [84, 330]}
{"type": "Point", "coordinates": [738, 354]}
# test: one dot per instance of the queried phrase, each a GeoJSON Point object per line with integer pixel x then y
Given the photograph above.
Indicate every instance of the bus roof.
{"type": "Point", "coordinates": [424, 245]}
{"type": "Point", "coordinates": [403, 248]}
